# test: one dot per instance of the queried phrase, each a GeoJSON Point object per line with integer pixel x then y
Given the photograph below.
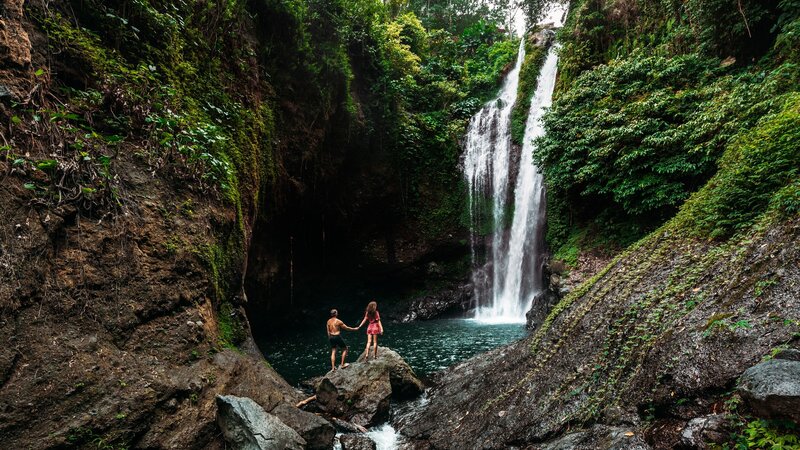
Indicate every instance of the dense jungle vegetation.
{"type": "Point", "coordinates": [656, 98]}
{"type": "Point", "coordinates": [255, 103]}
{"type": "Point", "coordinates": [408, 76]}
{"type": "Point", "coordinates": [246, 100]}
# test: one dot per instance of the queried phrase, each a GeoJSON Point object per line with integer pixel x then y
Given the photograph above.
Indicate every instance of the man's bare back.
{"type": "Point", "coordinates": [334, 326]}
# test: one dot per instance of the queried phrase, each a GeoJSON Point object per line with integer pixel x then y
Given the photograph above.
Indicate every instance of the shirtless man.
{"type": "Point", "coordinates": [334, 337]}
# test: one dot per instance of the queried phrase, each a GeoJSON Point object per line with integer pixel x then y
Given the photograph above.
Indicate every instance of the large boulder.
{"type": "Point", "coordinates": [361, 393]}
{"type": "Point", "coordinates": [356, 442]}
{"type": "Point", "coordinates": [246, 426]}
{"type": "Point", "coordinates": [361, 396]}
{"type": "Point", "coordinates": [772, 389]}
{"type": "Point", "coordinates": [542, 304]}
{"type": "Point", "coordinates": [405, 384]}
{"type": "Point", "coordinates": [316, 431]}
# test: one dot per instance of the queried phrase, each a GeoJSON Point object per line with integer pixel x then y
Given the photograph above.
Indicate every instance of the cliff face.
{"type": "Point", "coordinates": [658, 337]}
{"type": "Point", "coordinates": [654, 343]}
{"type": "Point", "coordinates": [111, 328]}
{"type": "Point", "coordinates": [162, 162]}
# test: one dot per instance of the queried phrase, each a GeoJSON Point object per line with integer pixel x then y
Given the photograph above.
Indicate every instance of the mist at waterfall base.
{"type": "Point", "coordinates": [427, 346]}
{"type": "Point", "coordinates": [506, 198]}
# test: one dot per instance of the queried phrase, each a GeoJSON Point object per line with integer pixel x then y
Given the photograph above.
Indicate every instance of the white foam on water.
{"type": "Point", "coordinates": [385, 437]}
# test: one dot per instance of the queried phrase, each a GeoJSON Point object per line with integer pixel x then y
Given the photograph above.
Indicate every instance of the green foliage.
{"type": "Point", "coordinates": [598, 31]}
{"type": "Point", "coordinates": [636, 136]}
{"type": "Point", "coordinates": [457, 15]}
{"type": "Point", "coordinates": [569, 251]}
{"type": "Point", "coordinates": [756, 433]}
{"type": "Point", "coordinates": [528, 77]}
{"type": "Point", "coordinates": [644, 110]}
{"type": "Point", "coordinates": [231, 328]}
{"type": "Point", "coordinates": [409, 91]}
{"type": "Point", "coordinates": [767, 434]}
{"type": "Point", "coordinates": [426, 85]}
{"type": "Point", "coordinates": [754, 172]}
{"type": "Point", "coordinates": [721, 322]}
{"type": "Point", "coordinates": [89, 438]}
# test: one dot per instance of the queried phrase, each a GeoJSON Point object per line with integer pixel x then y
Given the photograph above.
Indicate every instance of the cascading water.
{"type": "Point", "coordinates": [507, 262]}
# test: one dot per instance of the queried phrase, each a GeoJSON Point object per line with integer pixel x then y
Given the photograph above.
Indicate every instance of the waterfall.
{"type": "Point", "coordinates": [506, 194]}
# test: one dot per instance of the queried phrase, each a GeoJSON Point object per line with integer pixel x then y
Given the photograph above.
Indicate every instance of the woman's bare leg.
{"type": "Point", "coordinates": [369, 341]}
{"type": "Point", "coordinates": [375, 346]}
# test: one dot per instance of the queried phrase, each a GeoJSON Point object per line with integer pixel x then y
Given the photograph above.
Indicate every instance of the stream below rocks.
{"type": "Point", "coordinates": [428, 346]}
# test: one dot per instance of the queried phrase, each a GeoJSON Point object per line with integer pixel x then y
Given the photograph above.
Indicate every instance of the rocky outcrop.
{"type": "Point", "coordinates": [451, 301]}
{"type": "Point", "coordinates": [15, 52]}
{"type": "Point", "coordinates": [404, 382]}
{"type": "Point", "coordinates": [669, 319]}
{"type": "Point", "coordinates": [357, 442]}
{"type": "Point", "coordinates": [701, 430]}
{"type": "Point", "coordinates": [772, 389]}
{"type": "Point", "coordinates": [361, 392]}
{"type": "Point", "coordinates": [316, 431]}
{"type": "Point", "coordinates": [246, 426]}
{"type": "Point", "coordinates": [541, 306]}
{"type": "Point", "coordinates": [596, 438]}
{"type": "Point", "coordinates": [545, 300]}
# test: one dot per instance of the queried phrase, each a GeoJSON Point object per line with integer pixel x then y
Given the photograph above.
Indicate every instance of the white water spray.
{"type": "Point", "coordinates": [510, 277]}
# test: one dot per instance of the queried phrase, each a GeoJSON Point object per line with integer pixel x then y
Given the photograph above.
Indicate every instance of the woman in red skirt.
{"type": "Point", "coordinates": [374, 328]}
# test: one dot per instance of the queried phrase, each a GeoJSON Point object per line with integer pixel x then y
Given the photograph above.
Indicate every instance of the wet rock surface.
{"type": "Point", "coordinates": [598, 437]}
{"type": "Point", "coordinates": [316, 431]}
{"type": "Point", "coordinates": [700, 430]}
{"type": "Point", "coordinates": [772, 389]}
{"type": "Point", "coordinates": [356, 442]}
{"type": "Point", "coordinates": [361, 392]}
{"type": "Point", "coordinates": [543, 302]}
{"type": "Point", "coordinates": [246, 426]}
{"type": "Point", "coordinates": [662, 322]}
{"type": "Point", "coordinates": [452, 301]}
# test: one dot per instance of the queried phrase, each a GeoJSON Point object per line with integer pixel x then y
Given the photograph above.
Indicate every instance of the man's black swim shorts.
{"type": "Point", "coordinates": [337, 341]}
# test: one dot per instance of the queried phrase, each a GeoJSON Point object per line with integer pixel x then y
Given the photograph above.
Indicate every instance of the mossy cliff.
{"type": "Point", "coordinates": [159, 156]}
{"type": "Point", "coordinates": [655, 339]}
{"type": "Point", "coordinates": [648, 98]}
{"type": "Point", "coordinates": [657, 125]}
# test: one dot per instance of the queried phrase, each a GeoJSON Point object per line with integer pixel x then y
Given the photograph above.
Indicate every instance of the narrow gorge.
{"type": "Point", "coordinates": [580, 234]}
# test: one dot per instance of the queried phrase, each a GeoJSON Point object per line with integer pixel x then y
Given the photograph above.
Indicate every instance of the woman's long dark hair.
{"type": "Point", "coordinates": [372, 310]}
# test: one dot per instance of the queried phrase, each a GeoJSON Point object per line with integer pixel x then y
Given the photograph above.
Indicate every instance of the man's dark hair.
{"type": "Point", "coordinates": [334, 313]}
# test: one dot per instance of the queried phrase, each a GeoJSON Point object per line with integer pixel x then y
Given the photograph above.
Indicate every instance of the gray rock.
{"type": "Point", "coordinates": [246, 426]}
{"type": "Point", "coordinates": [704, 429]}
{"type": "Point", "coordinates": [542, 304]}
{"type": "Point", "coordinates": [361, 398]}
{"type": "Point", "coordinates": [405, 384]}
{"type": "Point", "coordinates": [5, 92]}
{"type": "Point", "coordinates": [361, 393]}
{"type": "Point", "coordinates": [568, 441]}
{"type": "Point", "coordinates": [347, 427]}
{"type": "Point", "coordinates": [356, 442]}
{"type": "Point", "coordinates": [449, 301]}
{"type": "Point", "coordinates": [772, 389]}
{"type": "Point", "coordinates": [791, 354]}
{"type": "Point", "coordinates": [543, 38]}
{"type": "Point", "coordinates": [316, 431]}
{"type": "Point", "coordinates": [599, 437]}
